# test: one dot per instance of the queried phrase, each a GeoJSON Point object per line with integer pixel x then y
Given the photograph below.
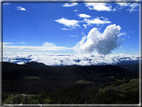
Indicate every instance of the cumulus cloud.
{"type": "Point", "coordinates": [97, 21]}
{"type": "Point", "coordinates": [68, 23]}
{"type": "Point", "coordinates": [99, 6]}
{"type": "Point", "coordinates": [70, 5]}
{"type": "Point", "coordinates": [84, 16]}
{"type": "Point", "coordinates": [104, 42]}
{"type": "Point", "coordinates": [78, 47]}
{"type": "Point", "coordinates": [20, 8]}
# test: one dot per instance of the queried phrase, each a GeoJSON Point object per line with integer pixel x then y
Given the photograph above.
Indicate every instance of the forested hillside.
{"type": "Point", "coordinates": [34, 83]}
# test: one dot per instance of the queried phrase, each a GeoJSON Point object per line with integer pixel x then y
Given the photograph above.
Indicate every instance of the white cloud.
{"type": "Point", "coordinates": [20, 8]}
{"type": "Point", "coordinates": [114, 9]}
{"type": "Point", "coordinates": [104, 42]}
{"type": "Point", "coordinates": [70, 5]}
{"type": "Point", "coordinates": [68, 23]}
{"type": "Point", "coordinates": [120, 6]}
{"type": "Point", "coordinates": [84, 16]}
{"type": "Point", "coordinates": [85, 26]}
{"type": "Point", "coordinates": [6, 43]}
{"type": "Point", "coordinates": [20, 43]}
{"type": "Point", "coordinates": [76, 10]}
{"type": "Point", "coordinates": [74, 35]}
{"type": "Point", "coordinates": [96, 21]}
{"type": "Point", "coordinates": [65, 29]}
{"type": "Point", "coordinates": [48, 44]}
{"type": "Point", "coordinates": [20, 63]}
{"type": "Point", "coordinates": [46, 47]}
{"type": "Point", "coordinates": [120, 34]}
{"type": "Point", "coordinates": [132, 7]}
{"type": "Point", "coordinates": [123, 4]}
{"type": "Point", "coordinates": [78, 46]}
{"type": "Point", "coordinates": [104, 18]}
{"type": "Point", "coordinates": [67, 59]}
{"type": "Point", "coordinates": [99, 6]}
{"type": "Point", "coordinates": [101, 27]}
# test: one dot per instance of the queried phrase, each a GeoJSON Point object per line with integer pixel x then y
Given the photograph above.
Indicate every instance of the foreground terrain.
{"type": "Point", "coordinates": [34, 83]}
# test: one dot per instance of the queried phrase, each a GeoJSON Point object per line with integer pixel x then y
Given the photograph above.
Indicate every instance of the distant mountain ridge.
{"type": "Point", "coordinates": [125, 62]}
{"type": "Point", "coordinates": [33, 63]}
{"type": "Point", "coordinates": [133, 66]}
{"type": "Point", "coordinates": [79, 61]}
{"type": "Point", "coordinates": [71, 69]}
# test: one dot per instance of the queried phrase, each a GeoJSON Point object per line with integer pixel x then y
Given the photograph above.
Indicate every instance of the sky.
{"type": "Point", "coordinates": [79, 29]}
{"type": "Point", "coordinates": [67, 27]}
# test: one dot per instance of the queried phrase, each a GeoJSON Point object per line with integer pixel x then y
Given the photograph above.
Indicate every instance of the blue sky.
{"type": "Point", "coordinates": [71, 27]}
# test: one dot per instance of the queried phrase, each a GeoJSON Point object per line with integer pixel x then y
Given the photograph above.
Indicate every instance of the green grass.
{"type": "Point", "coordinates": [131, 85]}
{"type": "Point", "coordinates": [120, 92]}
{"type": "Point", "coordinates": [10, 98]}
